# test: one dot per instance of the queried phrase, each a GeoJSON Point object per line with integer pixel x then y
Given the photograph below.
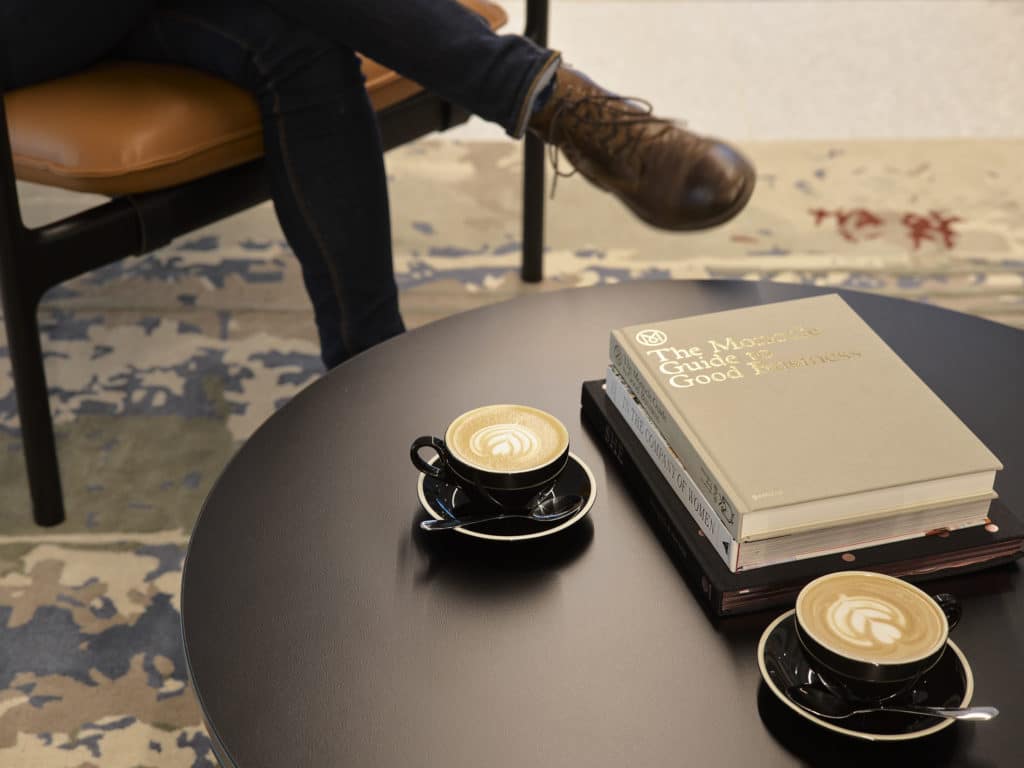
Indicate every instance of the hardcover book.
{"type": "Point", "coordinates": [739, 556]}
{"type": "Point", "coordinates": [796, 415]}
{"type": "Point", "coordinates": [726, 593]}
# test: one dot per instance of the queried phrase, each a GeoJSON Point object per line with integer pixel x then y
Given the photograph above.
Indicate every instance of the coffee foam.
{"type": "Point", "coordinates": [872, 618]}
{"type": "Point", "coordinates": [507, 438]}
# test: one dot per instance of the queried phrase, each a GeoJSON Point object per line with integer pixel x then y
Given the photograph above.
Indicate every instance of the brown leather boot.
{"type": "Point", "coordinates": [669, 177]}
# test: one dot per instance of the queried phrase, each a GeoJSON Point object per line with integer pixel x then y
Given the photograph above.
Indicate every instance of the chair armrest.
{"type": "Point", "coordinates": [537, 21]}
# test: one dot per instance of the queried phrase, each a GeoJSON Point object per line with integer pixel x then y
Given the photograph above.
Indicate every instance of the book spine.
{"type": "Point", "coordinates": [664, 526]}
{"type": "Point", "coordinates": [672, 469]}
{"type": "Point", "coordinates": [636, 377]}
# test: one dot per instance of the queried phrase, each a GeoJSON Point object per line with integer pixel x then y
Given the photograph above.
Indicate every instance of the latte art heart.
{"type": "Point", "coordinates": [510, 440]}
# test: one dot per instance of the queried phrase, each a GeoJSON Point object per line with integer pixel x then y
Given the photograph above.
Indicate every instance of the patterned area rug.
{"type": "Point", "coordinates": [161, 366]}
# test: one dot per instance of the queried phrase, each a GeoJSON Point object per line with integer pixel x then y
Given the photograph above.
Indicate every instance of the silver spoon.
{"type": "Point", "coordinates": [548, 511]}
{"type": "Point", "coordinates": [827, 704]}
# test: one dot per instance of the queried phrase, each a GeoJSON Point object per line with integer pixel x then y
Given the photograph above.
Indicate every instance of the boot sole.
{"type": "Point", "coordinates": [738, 205]}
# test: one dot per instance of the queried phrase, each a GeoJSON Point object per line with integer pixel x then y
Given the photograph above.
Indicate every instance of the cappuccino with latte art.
{"type": "Point", "coordinates": [872, 634]}
{"type": "Point", "coordinates": [507, 455]}
{"type": "Point", "coordinates": [506, 438]}
{"type": "Point", "coordinates": [873, 618]}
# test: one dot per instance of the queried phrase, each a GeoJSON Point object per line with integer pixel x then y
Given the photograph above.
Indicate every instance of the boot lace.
{"type": "Point", "coordinates": [618, 110]}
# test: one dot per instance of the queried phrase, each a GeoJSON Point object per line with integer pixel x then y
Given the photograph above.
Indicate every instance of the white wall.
{"type": "Point", "coordinates": [803, 69]}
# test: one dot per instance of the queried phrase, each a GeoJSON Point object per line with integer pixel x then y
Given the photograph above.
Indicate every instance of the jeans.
{"type": "Point", "coordinates": [322, 146]}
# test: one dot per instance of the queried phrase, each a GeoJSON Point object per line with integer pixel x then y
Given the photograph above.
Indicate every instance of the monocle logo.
{"type": "Point", "coordinates": [651, 337]}
{"type": "Point", "coordinates": [725, 510]}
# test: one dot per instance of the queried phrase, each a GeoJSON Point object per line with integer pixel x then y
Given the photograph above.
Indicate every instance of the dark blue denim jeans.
{"type": "Point", "coordinates": [323, 151]}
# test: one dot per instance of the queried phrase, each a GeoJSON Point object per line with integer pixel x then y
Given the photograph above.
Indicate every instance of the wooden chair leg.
{"type": "Point", "coordinates": [34, 411]}
{"type": "Point", "coordinates": [19, 293]}
{"type": "Point", "coordinates": [533, 209]}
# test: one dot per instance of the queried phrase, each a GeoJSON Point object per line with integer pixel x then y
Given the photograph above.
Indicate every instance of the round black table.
{"type": "Point", "coordinates": [322, 629]}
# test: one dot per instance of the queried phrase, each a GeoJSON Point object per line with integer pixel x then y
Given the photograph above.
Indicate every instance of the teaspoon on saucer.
{"type": "Point", "coordinates": [548, 511]}
{"type": "Point", "coordinates": [824, 703]}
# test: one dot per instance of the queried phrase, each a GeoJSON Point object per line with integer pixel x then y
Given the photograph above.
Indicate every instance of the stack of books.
{"type": "Point", "coordinates": [775, 443]}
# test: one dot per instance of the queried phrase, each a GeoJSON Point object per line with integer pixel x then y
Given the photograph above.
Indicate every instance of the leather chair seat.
{"type": "Point", "coordinates": [128, 127]}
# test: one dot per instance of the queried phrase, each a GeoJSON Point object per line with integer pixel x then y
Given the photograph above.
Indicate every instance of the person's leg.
{"type": "Point", "coordinates": [43, 40]}
{"type": "Point", "coordinates": [322, 149]}
{"type": "Point", "coordinates": [442, 45]}
{"type": "Point", "coordinates": [668, 176]}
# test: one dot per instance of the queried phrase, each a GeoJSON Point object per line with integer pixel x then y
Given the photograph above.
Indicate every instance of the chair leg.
{"type": "Point", "coordinates": [19, 294]}
{"type": "Point", "coordinates": [533, 209]}
{"type": "Point", "coordinates": [33, 404]}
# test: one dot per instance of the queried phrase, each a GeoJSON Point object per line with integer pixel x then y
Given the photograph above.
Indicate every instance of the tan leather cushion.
{"type": "Point", "coordinates": [126, 127]}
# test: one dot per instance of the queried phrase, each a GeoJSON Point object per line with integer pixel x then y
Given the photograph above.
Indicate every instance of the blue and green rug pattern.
{"type": "Point", "coordinates": [161, 366]}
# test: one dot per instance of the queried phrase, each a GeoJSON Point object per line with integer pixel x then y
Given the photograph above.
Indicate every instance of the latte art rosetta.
{"type": "Point", "coordinates": [866, 622]}
{"type": "Point", "coordinates": [871, 617]}
{"type": "Point", "coordinates": [511, 440]}
{"type": "Point", "coordinates": [507, 438]}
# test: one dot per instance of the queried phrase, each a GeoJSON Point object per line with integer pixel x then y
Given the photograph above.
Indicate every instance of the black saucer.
{"type": "Point", "coordinates": [948, 684]}
{"type": "Point", "coordinates": [442, 501]}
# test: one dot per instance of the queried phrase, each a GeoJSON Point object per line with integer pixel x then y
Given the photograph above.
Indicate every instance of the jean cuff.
{"type": "Point", "coordinates": [540, 80]}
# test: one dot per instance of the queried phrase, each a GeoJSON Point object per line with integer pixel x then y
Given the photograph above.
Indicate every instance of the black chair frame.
{"type": "Point", "coordinates": [34, 260]}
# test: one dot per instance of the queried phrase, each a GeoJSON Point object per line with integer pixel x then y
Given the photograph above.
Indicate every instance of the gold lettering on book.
{"type": "Point", "coordinates": [753, 342]}
{"type": "Point", "coordinates": [765, 364]}
{"type": "Point", "coordinates": [667, 354]}
{"type": "Point", "coordinates": [685, 367]}
{"type": "Point", "coordinates": [685, 381]}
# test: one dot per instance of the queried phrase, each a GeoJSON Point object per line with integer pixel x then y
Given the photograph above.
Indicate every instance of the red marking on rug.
{"type": "Point", "coordinates": [848, 223]}
{"type": "Point", "coordinates": [743, 239]}
{"type": "Point", "coordinates": [933, 227]}
{"type": "Point", "coordinates": [858, 224]}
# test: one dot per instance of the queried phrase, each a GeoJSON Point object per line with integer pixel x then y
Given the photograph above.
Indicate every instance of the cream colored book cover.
{"type": "Point", "coordinates": [797, 414]}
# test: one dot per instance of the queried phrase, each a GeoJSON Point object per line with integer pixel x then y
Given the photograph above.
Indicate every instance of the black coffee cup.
{"type": "Point", "coordinates": [506, 455]}
{"type": "Point", "coordinates": [870, 636]}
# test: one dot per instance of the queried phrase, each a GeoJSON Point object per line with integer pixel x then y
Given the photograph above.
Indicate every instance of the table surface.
{"type": "Point", "coordinates": [321, 628]}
